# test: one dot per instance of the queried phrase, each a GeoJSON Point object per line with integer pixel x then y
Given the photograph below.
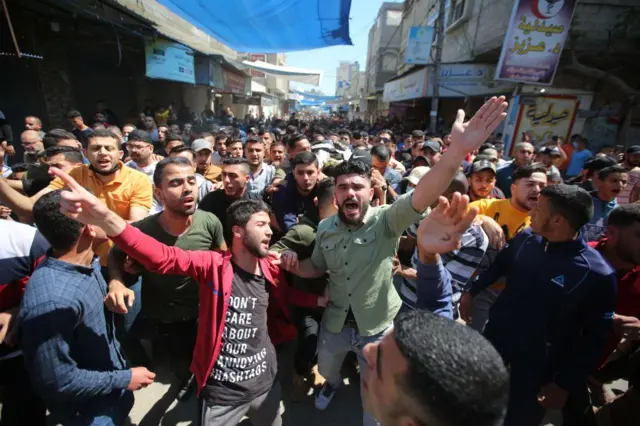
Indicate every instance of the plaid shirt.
{"type": "Point", "coordinates": [461, 263]}
{"type": "Point", "coordinates": [70, 349]}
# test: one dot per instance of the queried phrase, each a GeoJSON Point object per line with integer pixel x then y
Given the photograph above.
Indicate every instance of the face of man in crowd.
{"type": "Point", "coordinates": [345, 139]}
{"type": "Point", "coordinates": [391, 146]}
{"type": "Point", "coordinates": [625, 242]}
{"type": "Point", "coordinates": [334, 138]}
{"type": "Point", "coordinates": [31, 141]}
{"type": "Point", "coordinates": [256, 235]}
{"type": "Point", "coordinates": [126, 130]}
{"type": "Point", "coordinates": [172, 144]}
{"type": "Point", "coordinates": [139, 151]}
{"type": "Point", "coordinates": [60, 162]}
{"type": "Point", "coordinates": [234, 179]}
{"type": "Point", "coordinates": [187, 128]}
{"type": "Point", "coordinates": [306, 177]}
{"type": "Point", "coordinates": [433, 157]}
{"type": "Point", "coordinates": [203, 159]}
{"type": "Point", "coordinates": [148, 123]}
{"type": "Point", "coordinates": [482, 183]}
{"type": "Point", "coordinates": [277, 154]}
{"type": "Point", "coordinates": [525, 191]}
{"type": "Point", "coordinates": [235, 150]}
{"type": "Point", "coordinates": [179, 189]}
{"type": "Point", "coordinates": [380, 165]}
{"type": "Point", "coordinates": [221, 148]}
{"type": "Point", "coordinates": [103, 153]}
{"type": "Point", "coordinates": [353, 195]}
{"type": "Point", "coordinates": [446, 139]}
{"type": "Point", "coordinates": [542, 218]}
{"type": "Point", "coordinates": [524, 155]}
{"type": "Point", "coordinates": [266, 138]}
{"type": "Point", "coordinates": [609, 188]}
{"type": "Point", "coordinates": [32, 123]}
{"type": "Point", "coordinates": [632, 160]}
{"type": "Point", "coordinates": [381, 390]}
{"type": "Point", "coordinates": [162, 133]}
{"type": "Point", "coordinates": [174, 128]}
{"type": "Point", "coordinates": [416, 149]}
{"type": "Point", "coordinates": [99, 118]}
{"type": "Point", "coordinates": [300, 146]}
{"type": "Point", "coordinates": [254, 152]}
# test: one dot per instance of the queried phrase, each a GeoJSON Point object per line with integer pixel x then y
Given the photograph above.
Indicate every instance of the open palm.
{"type": "Point", "coordinates": [78, 203]}
{"type": "Point", "coordinates": [441, 231]}
{"type": "Point", "coordinates": [470, 135]}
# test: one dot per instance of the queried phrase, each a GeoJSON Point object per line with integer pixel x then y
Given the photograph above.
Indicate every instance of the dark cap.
{"type": "Point", "coordinates": [599, 163]}
{"type": "Point", "coordinates": [553, 151]}
{"type": "Point", "coordinates": [139, 135]}
{"type": "Point", "coordinates": [433, 146]}
{"type": "Point", "coordinates": [481, 165]}
{"type": "Point", "coordinates": [635, 149]}
{"type": "Point", "coordinates": [361, 155]}
{"type": "Point", "coordinates": [421, 157]}
{"type": "Point", "coordinates": [417, 134]}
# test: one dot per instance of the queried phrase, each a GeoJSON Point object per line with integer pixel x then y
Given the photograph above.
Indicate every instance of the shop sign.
{"type": "Point", "coordinates": [236, 83]}
{"type": "Point", "coordinates": [463, 80]}
{"type": "Point", "coordinates": [411, 86]}
{"type": "Point", "coordinates": [418, 50]}
{"type": "Point", "coordinates": [254, 57]}
{"type": "Point", "coordinates": [246, 100]}
{"type": "Point", "coordinates": [548, 116]}
{"type": "Point", "coordinates": [534, 41]}
{"type": "Point", "coordinates": [169, 61]}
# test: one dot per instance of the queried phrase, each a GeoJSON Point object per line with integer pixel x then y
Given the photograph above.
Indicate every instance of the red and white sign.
{"type": "Point", "coordinates": [254, 57]}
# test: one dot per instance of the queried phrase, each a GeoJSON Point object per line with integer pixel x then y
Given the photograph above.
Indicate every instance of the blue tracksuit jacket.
{"type": "Point", "coordinates": [556, 310]}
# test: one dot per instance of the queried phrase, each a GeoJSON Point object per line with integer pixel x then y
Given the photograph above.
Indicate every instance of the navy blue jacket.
{"type": "Point", "coordinates": [288, 204]}
{"type": "Point", "coordinates": [556, 310]}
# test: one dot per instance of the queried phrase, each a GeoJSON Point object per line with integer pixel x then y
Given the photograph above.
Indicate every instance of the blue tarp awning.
{"type": "Point", "coordinates": [269, 26]}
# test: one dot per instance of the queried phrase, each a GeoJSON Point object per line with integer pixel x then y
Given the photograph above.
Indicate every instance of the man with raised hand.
{"type": "Point", "coordinates": [357, 248]}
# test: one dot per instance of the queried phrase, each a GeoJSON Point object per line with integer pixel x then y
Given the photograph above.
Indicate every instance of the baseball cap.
{"type": "Point", "coordinates": [416, 174]}
{"type": "Point", "coordinates": [490, 152]}
{"type": "Point", "coordinates": [139, 135]}
{"type": "Point", "coordinates": [433, 146]}
{"type": "Point", "coordinates": [553, 151]}
{"type": "Point", "coordinates": [421, 157]}
{"type": "Point", "coordinates": [200, 144]}
{"type": "Point", "coordinates": [478, 166]}
{"type": "Point", "coordinates": [362, 156]}
{"type": "Point", "coordinates": [635, 149]}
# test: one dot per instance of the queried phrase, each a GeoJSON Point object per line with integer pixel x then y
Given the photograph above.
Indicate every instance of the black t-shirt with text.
{"type": "Point", "coordinates": [247, 364]}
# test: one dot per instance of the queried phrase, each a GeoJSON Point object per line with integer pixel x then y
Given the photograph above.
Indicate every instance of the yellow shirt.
{"type": "Point", "coordinates": [509, 218]}
{"type": "Point", "coordinates": [130, 188]}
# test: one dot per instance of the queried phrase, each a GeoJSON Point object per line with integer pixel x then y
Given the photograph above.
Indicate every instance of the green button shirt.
{"type": "Point", "coordinates": [359, 260]}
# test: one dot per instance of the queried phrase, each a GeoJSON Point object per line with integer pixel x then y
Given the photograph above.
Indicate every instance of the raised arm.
{"type": "Point", "coordinates": [465, 137]}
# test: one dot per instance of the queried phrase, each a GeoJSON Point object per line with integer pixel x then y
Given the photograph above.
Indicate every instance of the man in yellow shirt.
{"type": "Point", "coordinates": [509, 217]}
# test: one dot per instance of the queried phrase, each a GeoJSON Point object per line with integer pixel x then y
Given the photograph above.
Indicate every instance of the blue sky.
{"type": "Point", "coordinates": [363, 14]}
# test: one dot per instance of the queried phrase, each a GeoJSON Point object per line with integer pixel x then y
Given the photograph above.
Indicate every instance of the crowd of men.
{"type": "Point", "coordinates": [215, 248]}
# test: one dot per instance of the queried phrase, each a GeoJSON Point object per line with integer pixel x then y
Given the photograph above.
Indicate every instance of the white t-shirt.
{"type": "Point", "coordinates": [149, 170]}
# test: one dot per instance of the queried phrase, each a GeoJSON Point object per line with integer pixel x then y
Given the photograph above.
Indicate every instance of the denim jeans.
{"type": "Point", "coordinates": [333, 347]}
{"type": "Point", "coordinates": [110, 414]}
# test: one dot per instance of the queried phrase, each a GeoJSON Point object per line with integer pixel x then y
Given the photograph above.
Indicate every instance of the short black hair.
{"type": "Point", "coordinates": [239, 213]}
{"type": "Point", "coordinates": [276, 143]}
{"type": "Point", "coordinates": [624, 215]}
{"type": "Point", "coordinates": [459, 183]}
{"type": "Point", "coordinates": [355, 167]}
{"type": "Point", "coordinates": [304, 158]}
{"type": "Point", "coordinates": [325, 191]}
{"type": "Point", "coordinates": [103, 133]}
{"type": "Point", "coordinates": [253, 139]}
{"type": "Point", "coordinates": [527, 171]}
{"type": "Point", "coordinates": [158, 172]}
{"type": "Point", "coordinates": [237, 161]}
{"type": "Point", "coordinates": [295, 138]}
{"type": "Point", "coordinates": [344, 132]}
{"type": "Point", "coordinates": [53, 136]}
{"type": "Point", "coordinates": [72, 155]}
{"type": "Point", "coordinates": [22, 167]}
{"type": "Point", "coordinates": [381, 152]}
{"type": "Point", "coordinates": [571, 202]}
{"type": "Point", "coordinates": [61, 231]}
{"type": "Point", "coordinates": [599, 163]}
{"type": "Point", "coordinates": [454, 377]}
{"type": "Point", "coordinates": [221, 136]}
{"type": "Point", "coordinates": [610, 170]}
{"type": "Point", "coordinates": [173, 137]}
{"type": "Point", "coordinates": [232, 140]}
{"type": "Point", "coordinates": [73, 114]}
{"type": "Point", "coordinates": [183, 148]}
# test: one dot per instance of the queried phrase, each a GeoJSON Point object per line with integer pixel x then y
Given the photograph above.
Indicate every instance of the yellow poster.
{"type": "Point", "coordinates": [549, 116]}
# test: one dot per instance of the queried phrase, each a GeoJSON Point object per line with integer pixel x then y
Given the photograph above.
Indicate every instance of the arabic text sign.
{"type": "Point", "coordinates": [169, 61]}
{"type": "Point", "coordinates": [462, 80]}
{"type": "Point", "coordinates": [411, 86]}
{"type": "Point", "coordinates": [535, 38]}
{"type": "Point", "coordinates": [549, 116]}
{"type": "Point", "coordinates": [419, 45]}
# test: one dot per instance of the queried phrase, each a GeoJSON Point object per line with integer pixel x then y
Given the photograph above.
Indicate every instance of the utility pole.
{"type": "Point", "coordinates": [435, 80]}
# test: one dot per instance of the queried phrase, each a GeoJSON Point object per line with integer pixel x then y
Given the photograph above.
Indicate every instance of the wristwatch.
{"type": "Point", "coordinates": [384, 187]}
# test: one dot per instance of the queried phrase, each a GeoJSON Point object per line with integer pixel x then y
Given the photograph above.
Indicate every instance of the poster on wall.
{"type": "Point", "coordinates": [419, 43]}
{"type": "Point", "coordinates": [534, 41]}
{"type": "Point", "coordinates": [548, 116]}
{"type": "Point", "coordinates": [169, 61]}
{"type": "Point", "coordinates": [254, 57]}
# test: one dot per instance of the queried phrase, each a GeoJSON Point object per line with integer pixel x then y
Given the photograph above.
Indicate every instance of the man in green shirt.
{"type": "Point", "coordinates": [301, 238]}
{"type": "Point", "coordinates": [357, 247]}
{"type": "Point", "coordinates": [170, 309]}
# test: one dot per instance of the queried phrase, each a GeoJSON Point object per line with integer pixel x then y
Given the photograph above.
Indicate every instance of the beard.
{"type": "Point", "coordinates": [254, 246]}
{"type": "Point", "coordinates": [362, 211]}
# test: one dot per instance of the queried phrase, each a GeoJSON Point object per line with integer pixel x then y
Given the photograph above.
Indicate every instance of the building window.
{"type": "Point", "coordinates": [389, 63]}
{"type": "Point", "coordinates": [457, 10]}
{"type": "Point", "coordinates": [394, 17]}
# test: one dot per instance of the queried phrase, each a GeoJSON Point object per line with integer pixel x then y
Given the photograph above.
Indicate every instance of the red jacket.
{"type": "Point", "coordinates": [214, 273]}
{"type": "Point", "coordinates": [627, 299]}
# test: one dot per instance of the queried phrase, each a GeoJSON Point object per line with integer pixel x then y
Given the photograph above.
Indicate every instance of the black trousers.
{"type": "Point", "coordinates": [308, 325]}
{"type": "Point", "coordinates": [20, 405]}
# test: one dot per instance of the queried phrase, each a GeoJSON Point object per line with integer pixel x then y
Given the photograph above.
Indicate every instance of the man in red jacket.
{"type": "Point", "coordinates": [234, 361]}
